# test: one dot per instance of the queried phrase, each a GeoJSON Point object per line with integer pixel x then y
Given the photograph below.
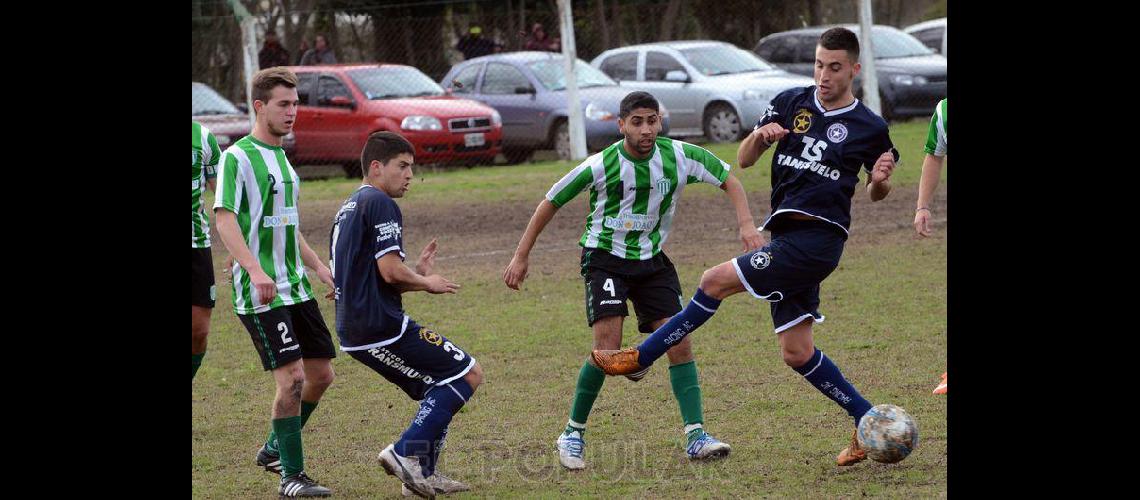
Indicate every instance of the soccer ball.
{"type": "Point", "coordinates": [887, 433]}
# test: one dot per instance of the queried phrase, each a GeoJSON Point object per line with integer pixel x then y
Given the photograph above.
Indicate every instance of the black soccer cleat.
{"type": "Point", "coordinates": [300, 485]}
{"type": "Point", "coordinates": [269, 460]}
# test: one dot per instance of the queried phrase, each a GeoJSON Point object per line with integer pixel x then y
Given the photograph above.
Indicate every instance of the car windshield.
{"type": "Point", "coordinates": [890, 42]}
{"type": "Point", "coordinates": [724, 60]}
{"type": "Point", "coordinates": [208, 102]}
{"type": "Point", "coordinates": [394, 83]}
{"type": "Point", "coordinates": [552, 74]}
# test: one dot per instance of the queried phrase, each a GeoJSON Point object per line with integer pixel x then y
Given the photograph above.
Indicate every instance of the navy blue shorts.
{"type": "Point", "coordinates": [788, 270]}
{"type": "Point", "coordinates": [417, 361]}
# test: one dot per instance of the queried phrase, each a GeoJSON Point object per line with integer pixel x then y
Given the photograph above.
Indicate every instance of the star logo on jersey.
{"type": "Point", "coordinates": [837, 132]}
{"type": "Point", "coordinates": [760, 260]}
{"type": "Point", "coordinates": [431, 337]}
{"type": "Point", "coordinates": [802, 121]}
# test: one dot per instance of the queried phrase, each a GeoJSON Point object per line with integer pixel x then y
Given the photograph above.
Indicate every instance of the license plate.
{"type": "Point", "coordinates": [472, 140]}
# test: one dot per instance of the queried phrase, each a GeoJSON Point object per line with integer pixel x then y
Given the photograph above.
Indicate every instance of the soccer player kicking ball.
{"type": "Point", "coordinates": [825, 135]}
{"type": "Point", "coordinates": [257, 218]}
{"type": "Point", "coordinates": [367, 249]}
{"type": "Point", "coordinates": [634, 187]}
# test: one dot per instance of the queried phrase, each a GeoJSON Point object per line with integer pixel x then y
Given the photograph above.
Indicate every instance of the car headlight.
{"type": "Point", "coordinates": [420, 122]}
{"type": "Point", "coordinates": [496, 118]}
{"type": "Point", "coordinates": [908, 79]}
{"type": "Point", "coordinates": [595, 112]}
{"type": "Point", "coordinates": [752, 95]}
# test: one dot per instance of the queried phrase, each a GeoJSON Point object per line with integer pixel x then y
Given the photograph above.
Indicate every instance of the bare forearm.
{"type": "Point", "coordinates": [542, 216]}
{"type": "Point", "coordinates": [931, 171]}
{"type": "Point", "coordinates": [231, 237]}
{"type": "Point", "coordinates": [879, 190]}
{"type": "Point", "coordinates": [308, 256]}
{"type": "Point", "coordinates": [751, 148]}
{"type": "Point", "coordinates": [402, 277]}
{"type": "Point", "coordinates": [735, 191]}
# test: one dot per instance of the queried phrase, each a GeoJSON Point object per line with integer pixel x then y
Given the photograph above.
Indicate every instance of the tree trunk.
{"type": "Point", "coordinates": [604, 26]}
{"type": "Point", "coordinates": [815, 12]}
{"type": "Point", "coordinates": [616, 9]}
{"type": "Point", "coordinates": [668, 20]}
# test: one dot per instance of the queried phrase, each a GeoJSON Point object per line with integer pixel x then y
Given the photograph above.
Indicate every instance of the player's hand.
{"type": "Point", "coordinates": [265, 287]}
{"type": "Point", "coordinates": [922, 222]}
{"type": "Point", "coordinates": [229, 270]}
{"type": "Point", "coordinates": [515, 273]}
{"type": "Point", "coordinates": [439, 284]}
{"type": "Point", "coordinates": [883, 168]}
{"type": "Point", "coordinates": [770, 133]}
{"type": "Point", "coordinates": [326, 277]}
{"type": "Point", "coordinates": [427, 259]}
{"type": "Point", "coordinates": [751, 238]}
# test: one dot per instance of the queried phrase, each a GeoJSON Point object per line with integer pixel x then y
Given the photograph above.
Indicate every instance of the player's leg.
{"type": "Point", "coordinates": [717, 284]}
{"type": "Point", "coordinates": [201, 304]}
{"type": "Point", "coordinates": [317, 351]}
{"type": "Point", "coordinates": [801, 354]}
{"type": "Point", "coordinates": [276, 342]}
{"type": "Point", "coordinates": [199, 329]}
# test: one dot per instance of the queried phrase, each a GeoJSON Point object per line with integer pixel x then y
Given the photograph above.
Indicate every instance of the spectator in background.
{"type": "Point", "coordinates": [302, 50]}
{"type": "Point", "coordinates": [474, 45]}
{"type": "Point", "coordinates": [272, 53]}
{"type": "Point", "coordinates": [539, 40]}
{"type": "Point", "coordinates": [321, 53]}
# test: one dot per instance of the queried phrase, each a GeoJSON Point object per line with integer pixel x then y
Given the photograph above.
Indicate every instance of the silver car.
{"type": "Point", "coordinates": [714, 89]}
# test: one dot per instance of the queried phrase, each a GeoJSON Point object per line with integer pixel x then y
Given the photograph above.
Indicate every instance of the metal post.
{"type": "Point", "coordinates": [248, 53]}
{"type": "Point", "coordinates": [574, 105]}
{"type": "Point", "coordinates": [867, 58]}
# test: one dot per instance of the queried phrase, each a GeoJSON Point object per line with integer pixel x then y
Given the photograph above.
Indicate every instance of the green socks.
{"type": "Point", "coordinates": [590, 380]}
{"type": "Point", "coordinates": [306, 410]}
{"type": "Point", "coordinates": [687, 390]}
{"type": "Point", "coordinates": [288, 431]}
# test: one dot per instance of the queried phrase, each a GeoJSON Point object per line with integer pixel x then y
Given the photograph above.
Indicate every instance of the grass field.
{"type": "Point", "coordinates": [885, 328]}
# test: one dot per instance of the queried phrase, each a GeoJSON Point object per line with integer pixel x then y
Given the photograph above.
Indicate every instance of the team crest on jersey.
{"type": "Point", "coordinates": [663, 185]}
{"type": "Point", "coordinates": [837, 132]}
{"type": "Point", "coordinates": [760, 260]}
{"type": "Point", "coordinates": [431, 337]}
{"type": "Point", "coordinates": [193, 157]}
{"type": "Point", "coordinates": [802, 121]}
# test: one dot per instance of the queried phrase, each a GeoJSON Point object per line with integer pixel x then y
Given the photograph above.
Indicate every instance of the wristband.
{"type": "Point", "coordinates": [921, 208]}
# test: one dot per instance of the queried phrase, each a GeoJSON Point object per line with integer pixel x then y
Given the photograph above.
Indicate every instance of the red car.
{"type": "Point", "coordinates": [341, 105]}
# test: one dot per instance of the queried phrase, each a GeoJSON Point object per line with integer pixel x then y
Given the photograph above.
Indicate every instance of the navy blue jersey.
{"type": "Point", "coordinates": [369, 311]}
{"type": "Point", "coordinates": [815, 168]}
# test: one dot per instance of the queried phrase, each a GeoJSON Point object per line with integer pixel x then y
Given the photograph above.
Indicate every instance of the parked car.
{"type": "Point", "coordinates": [912, 78]}
{"type": "Point", "coordinates": [711, 88]}
{"type": "Point", "coordinates": [341, 105]}
{"type": "Point", "coordinates": [931, 33]}
{"type": "Point", "coordinates": [224, 119]}
{"type": "Point", "coordinates": [529, 90]}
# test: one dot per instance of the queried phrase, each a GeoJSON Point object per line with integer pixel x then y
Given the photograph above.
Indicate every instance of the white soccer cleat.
{"type": "Point", "coordinates": [407, 470]}
{"type": "Point", "coordinates": [441, 484]}
{"type": "Point", "coordinates": [706, 447]}
{"type": "Point", "coordinates": [570, 448]}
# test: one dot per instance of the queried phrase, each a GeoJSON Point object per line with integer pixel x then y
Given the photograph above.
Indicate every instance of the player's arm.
{"type": "Point", "coordinates": [395, 273]}
{"type": "Point", "coordinates": [757, 142]}
{"type": "Point", "coordinates": [516, 271]}
{"type": "Point", "coordinates": [931, 171]}
{"type": "Point", "coordinates": [749, 235]}
{"type": "Point", "coordinates": [310, 258]}
{"type": "Point", "coordinates": [230, 232]}
{"type": "Point", "coordinates": [878, 181]}
{"type": "Point", "coordinates": [212, 154]}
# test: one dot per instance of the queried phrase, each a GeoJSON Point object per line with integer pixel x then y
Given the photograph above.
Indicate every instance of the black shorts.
{"type": "Point", "coordinates": [202, 282]}
{"type": "Point", "coordinates": [288, 333]}
{"type": "Point", "coordinates": [419, 360]}
{"type": "Point", "coordinates": [652, 285]}
{"type": "Point", "coordinates": [788, 270]}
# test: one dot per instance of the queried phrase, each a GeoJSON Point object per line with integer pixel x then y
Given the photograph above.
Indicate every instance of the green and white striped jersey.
{"type": "Point", "coordinates": [936, 134]}
{"type": "Point", "coordinates": [256, 182]}
{"type": "Point", "coordinates": [202, 167]}
{"type": "Point", "coordinates": [632, 202]}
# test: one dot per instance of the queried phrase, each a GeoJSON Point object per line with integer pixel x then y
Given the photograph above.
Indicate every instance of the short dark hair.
{"type": "Point", "coordinates": [383, 146]}
{"type": "Point", "coordinates": [636, 100]}
{"type": "Point", "coordinates": [839, 38]}
{"type": "Point", "coordinates": [268, 79]}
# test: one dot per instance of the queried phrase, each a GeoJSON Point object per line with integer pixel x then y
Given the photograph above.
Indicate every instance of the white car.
{"type": "Point", "coordinates": [931, 33]}
{"type": "Point", "coordinates": [714, 89]}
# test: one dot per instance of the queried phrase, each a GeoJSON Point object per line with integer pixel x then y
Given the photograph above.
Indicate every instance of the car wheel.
{"type": "Point", "coordinates": [516, 155]}
{"type": "Point", "coordinates": [562, 140]}
{"type": "Point", "coordinates": [352, 170]}
{"type": "Point", "coordinates": [722, 124]}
